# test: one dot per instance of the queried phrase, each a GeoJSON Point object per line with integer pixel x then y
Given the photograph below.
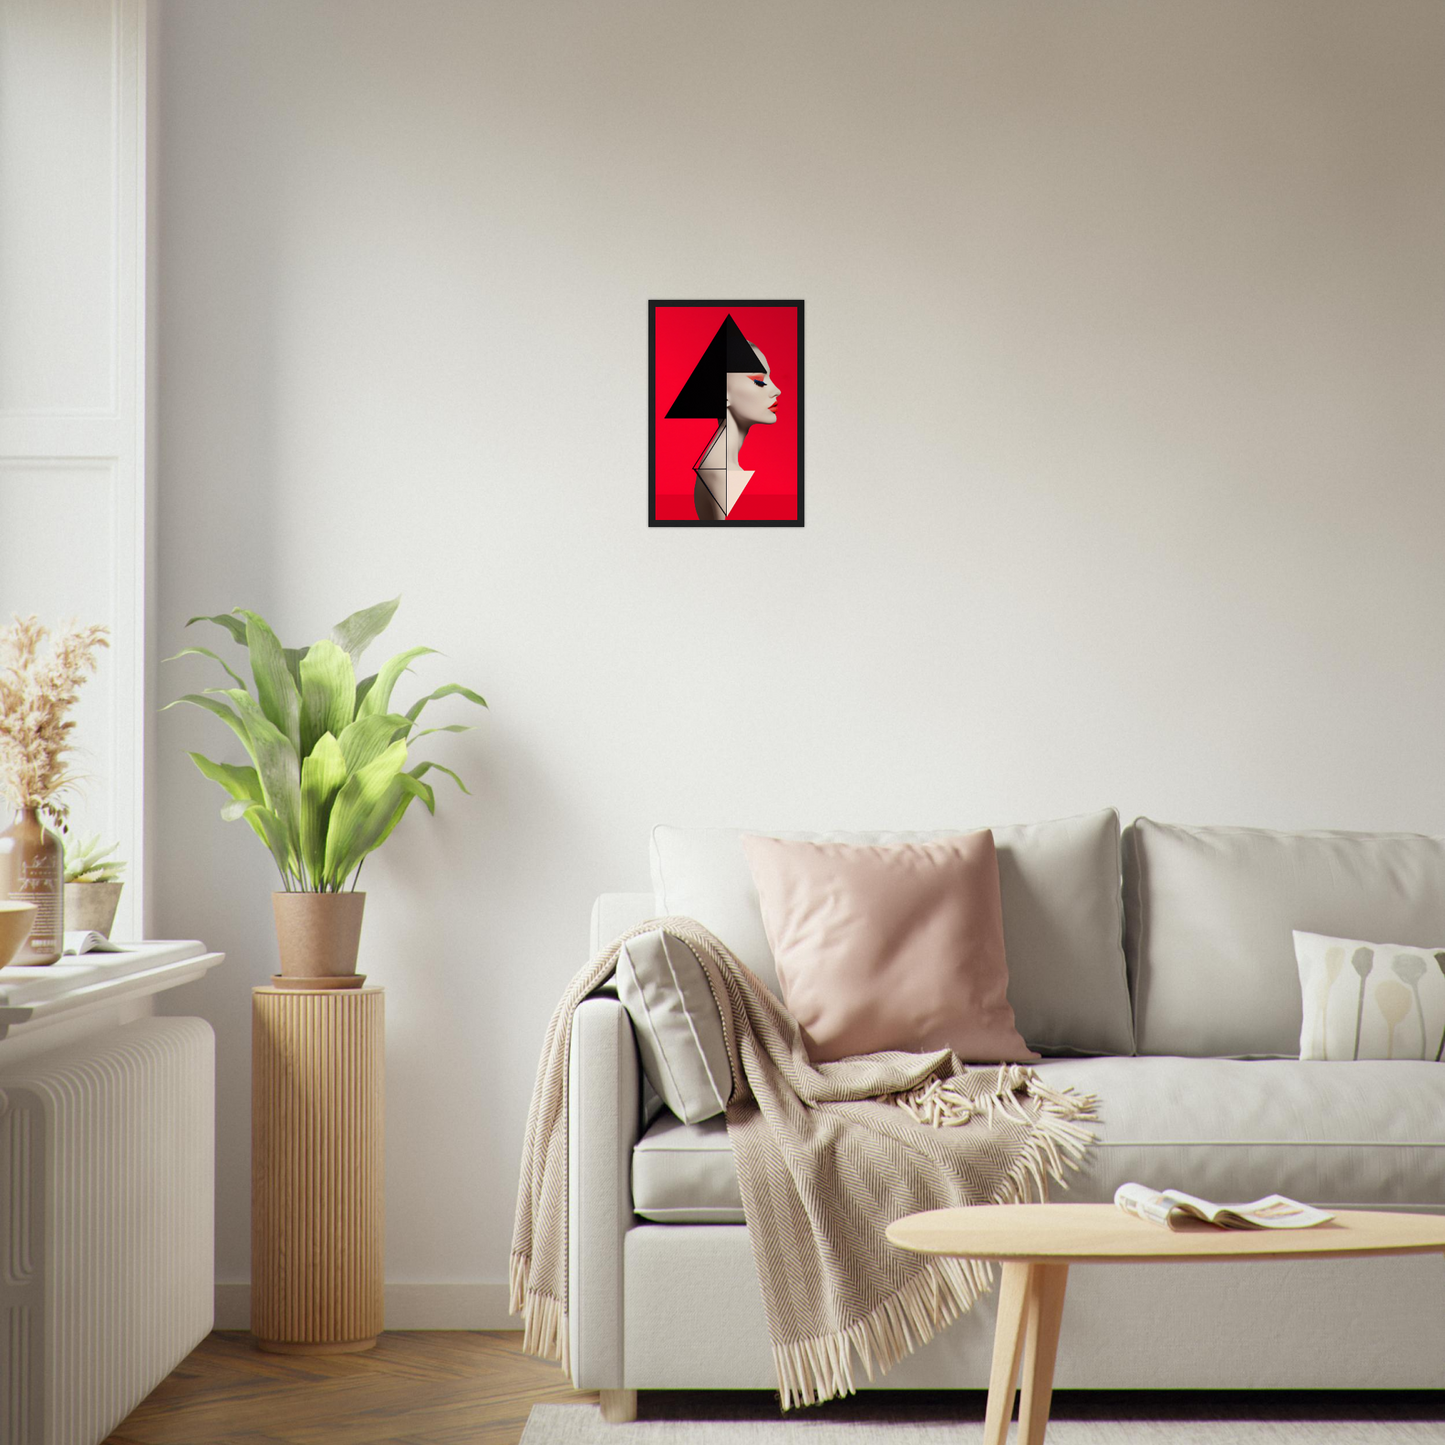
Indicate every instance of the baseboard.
{"type": "Point", "coordinates": [409, 1306]}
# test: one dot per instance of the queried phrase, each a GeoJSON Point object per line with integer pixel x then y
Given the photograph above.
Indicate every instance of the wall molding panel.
{"type": "Point", "coordinates": [73, 374]}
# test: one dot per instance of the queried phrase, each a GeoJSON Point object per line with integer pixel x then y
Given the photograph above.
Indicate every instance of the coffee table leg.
{"type": "Point", "coordinates": [1008, 1339]}
{"type": "Point", "coordinates": [1044, 1310]}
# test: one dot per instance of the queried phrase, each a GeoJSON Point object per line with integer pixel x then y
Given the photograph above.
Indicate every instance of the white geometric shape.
{"type": "Point", "coordinates": [724, 485]}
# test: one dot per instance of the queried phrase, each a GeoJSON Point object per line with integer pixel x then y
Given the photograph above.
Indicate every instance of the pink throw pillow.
{"type": "Point", "coordinates": [890, 947]}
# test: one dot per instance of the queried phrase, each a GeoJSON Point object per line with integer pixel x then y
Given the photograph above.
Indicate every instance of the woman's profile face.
{"type": "Point", "coordinates": [752, 395]}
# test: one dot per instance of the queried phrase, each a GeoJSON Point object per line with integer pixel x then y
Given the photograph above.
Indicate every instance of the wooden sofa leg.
{"type": "Point", "coordinates": [619, 1406]}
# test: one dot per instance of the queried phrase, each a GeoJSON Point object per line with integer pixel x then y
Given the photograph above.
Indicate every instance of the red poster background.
{"type": "Point", "coordinates": [681, 335]}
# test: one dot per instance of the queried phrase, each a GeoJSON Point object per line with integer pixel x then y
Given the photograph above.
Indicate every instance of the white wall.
{"type": "Point", "coordinates": [1126, 345]}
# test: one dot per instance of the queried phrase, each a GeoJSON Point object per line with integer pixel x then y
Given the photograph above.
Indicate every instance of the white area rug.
{"type": "Point", "coordinates": [1163, 1419]}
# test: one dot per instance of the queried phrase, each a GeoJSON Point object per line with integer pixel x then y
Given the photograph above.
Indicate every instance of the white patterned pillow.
{"type": "Point", "coordinates": [680, 1037]}
{"type": "Point", "coordinates": [1370, 1000]}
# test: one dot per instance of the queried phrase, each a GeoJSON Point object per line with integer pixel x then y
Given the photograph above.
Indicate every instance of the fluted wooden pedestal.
{"type": "Point", "coordinates": [316, 1169]}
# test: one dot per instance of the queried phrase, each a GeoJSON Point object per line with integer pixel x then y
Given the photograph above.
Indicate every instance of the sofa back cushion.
{"type": "Point", "coordinates": [1062, 917]}
{"type": "Point", "coordinates": [1210, 915]}
{"type": "Point", "coordinates": [614, 913]}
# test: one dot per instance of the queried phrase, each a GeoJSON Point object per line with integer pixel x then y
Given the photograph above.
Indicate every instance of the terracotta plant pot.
{"type": "Point", "coordinates": [16, 921]}
{"type": "Point", "coordinates": [91, 907]}
{"type": "Point", "coordinates": [318, 933]}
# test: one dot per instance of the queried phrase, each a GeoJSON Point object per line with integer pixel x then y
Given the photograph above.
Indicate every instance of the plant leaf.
{"type": "Point", "coordinates": [418, 789]}
{"type": "Point", "coordinates": [243, 784]}
{"type": "Point", "coordinates": [328, 693]}
{"type": "Point", "coordinates": [409, 788]}
{"type": "Point", "coordinates": [277, 764]}
{"type": "Point", "coordinates": [228, 715]}
{"type": "Point", "coordinates": [214, 656]}
{"type": "Point", "coordinates": [267, 827]}
{"type": "Point", "coordinates": [328, 783]}
{"type": "Point", "coordinates": [450, 690]}
{"type": "Point", "coordinates": [378, 698]}
{"type": "Point", "coordinates": [356, 633]}
{"type": "Point", "coordinates": [362, 810]}
{"type": "Point", "coordinates": [368, 738]}
{"type": "Point", "coordinates": [422, 769]}
{"type": "Point", "coordinates": [232, 624]}
{"type": "Point", "coordinates": [322, 774]}
{"type": "Point", "coordinates": [293, 656]}
{"type": "Point", "coordinates": [86, 861]}
{"type": "Point", "coordinates": [275, 690]}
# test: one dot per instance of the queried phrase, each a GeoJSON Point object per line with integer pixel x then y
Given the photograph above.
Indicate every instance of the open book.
{"type": "Point", "coordinates": [1181, 1211]}
{"type": "Point", "coordinates": [88, 941]}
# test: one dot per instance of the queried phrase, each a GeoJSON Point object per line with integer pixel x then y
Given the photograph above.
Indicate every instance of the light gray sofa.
{"type": "Point", "coordinates": [1161, 978]}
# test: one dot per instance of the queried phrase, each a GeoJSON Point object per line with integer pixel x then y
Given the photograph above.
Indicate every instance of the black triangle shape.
{"type": "Point", "coordinates": [740, 353]}
{"type": "Point", "coordinates": [704, 393]}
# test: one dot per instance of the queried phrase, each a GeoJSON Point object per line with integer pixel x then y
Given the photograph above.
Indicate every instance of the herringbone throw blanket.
{"type": "Point", "coordinates": [828, 1156]}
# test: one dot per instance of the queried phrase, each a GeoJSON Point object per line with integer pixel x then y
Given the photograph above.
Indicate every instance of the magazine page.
{"type": "Point", "coordinates": [1205, 1209]}
{"type": "Point", "coordinates": [1178, 1210]}
{"type": "Point", "coordinates": [1145, 1203]}
{"type": "Point", "coordinates": [1274, 1211]}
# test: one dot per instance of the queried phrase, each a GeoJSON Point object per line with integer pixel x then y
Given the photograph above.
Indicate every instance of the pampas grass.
{"type": "Point", "coordinates": [41, 675]}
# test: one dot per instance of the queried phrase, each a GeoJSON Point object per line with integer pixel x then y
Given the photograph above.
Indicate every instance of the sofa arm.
{"type": "Point", "coordinates": [604, 1112]}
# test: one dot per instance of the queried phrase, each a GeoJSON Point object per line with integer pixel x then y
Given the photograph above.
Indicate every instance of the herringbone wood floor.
{"type": "Point", "coordinates": [433, 1387]}
{"type": "Point", "coordinates": [451, 1388]}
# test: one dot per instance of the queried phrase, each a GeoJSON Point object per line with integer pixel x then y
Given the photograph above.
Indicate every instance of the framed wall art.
{"type": "Point", "coordinates": [725, 414]}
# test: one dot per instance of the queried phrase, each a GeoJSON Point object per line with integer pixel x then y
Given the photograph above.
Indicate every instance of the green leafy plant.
{"type": "Point", "coordinates": [328, 779]}
{"type": "Point", "coordinates": [88, 862]}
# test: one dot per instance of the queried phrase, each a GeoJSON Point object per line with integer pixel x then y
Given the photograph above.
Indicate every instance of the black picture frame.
{"type": "Point", "coordinates": [800, 400]}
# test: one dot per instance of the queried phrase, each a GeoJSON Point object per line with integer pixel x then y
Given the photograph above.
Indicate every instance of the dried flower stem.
{"type": "Point", "coordinates": [39, 686]}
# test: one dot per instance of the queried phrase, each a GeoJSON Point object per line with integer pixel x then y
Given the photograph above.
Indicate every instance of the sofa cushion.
{"type": "Point", "coordinates": [1367, 1135]}
{"type": "Point", "coordinates": [1370, 1000]}
{"type": "Point", "coordinates": [685, 1173]}
{"type": "Point", "coordinates": [889, 948]}
{"type": "Point", "coordinates": [1062, 917]}
{"type": "Point", "coordinates": [680, 1037]}
{"type": "Point", "coordinates": [1210, 915]}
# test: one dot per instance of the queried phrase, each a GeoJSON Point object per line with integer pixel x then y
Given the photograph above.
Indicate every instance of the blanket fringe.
{"type": "Point", "coordinates": [1060, 1141]}
{"type": "Point", "coordinates": [1058, 1117]}
{"type": "Point", "coordinates": [518, 1270]}
{"type": "Point", "coordinates": [823, 1367]}
{"type": "Point", "coordinates": [544, 1332]}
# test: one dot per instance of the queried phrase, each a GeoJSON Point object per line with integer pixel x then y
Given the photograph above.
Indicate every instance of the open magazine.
{"type": "Point", "coordinates": [1181, 1211]}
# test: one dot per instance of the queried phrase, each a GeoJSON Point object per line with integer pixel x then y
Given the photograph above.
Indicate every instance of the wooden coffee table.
{"type": "Point", "coordinates": [1037, 1243]}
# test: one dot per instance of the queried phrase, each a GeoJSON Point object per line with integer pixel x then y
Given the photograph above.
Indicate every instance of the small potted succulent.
{"type": "Point", "coordinates": [327, 777]}
{"type": "Point", "coordinates": [92, 886]}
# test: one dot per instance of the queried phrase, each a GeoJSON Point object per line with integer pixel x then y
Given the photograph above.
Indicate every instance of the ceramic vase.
{"type": "Point", "coordinates": [31, 871]}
